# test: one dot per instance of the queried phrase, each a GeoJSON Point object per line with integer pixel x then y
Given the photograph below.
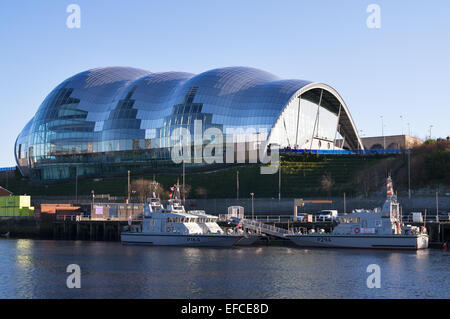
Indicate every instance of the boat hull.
{"type": "Point", "coordinates": [247, 240]}
{"type": "Point", "coordinates": [406, 242]}
{"type": "Point", "coordinates": [211, 240]}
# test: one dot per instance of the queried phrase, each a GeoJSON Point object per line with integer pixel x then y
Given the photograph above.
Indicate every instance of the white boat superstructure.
{"type": "Point", "coordinates": [174, 226]}
{"type": "Point", "coordinates": [376, 229]}
{"type": "Point", "coordinates": [207, 222]}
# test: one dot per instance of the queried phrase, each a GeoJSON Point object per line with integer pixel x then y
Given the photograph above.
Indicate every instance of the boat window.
{"type": "Point", "coordinates": [168, 219]}
{"type": "Point", "coordinates": [350, 220]}
{"type": "Point", "coordinates": [357, 220]}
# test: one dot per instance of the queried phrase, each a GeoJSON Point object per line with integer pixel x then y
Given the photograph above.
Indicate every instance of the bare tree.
{"type": "Point", "coordinates": [327, 182]}
{"type": "Point", "coordinates": [185, 191]}
{"type": "Point", "coordinates": [144, 188]}
{"type": "Point", "coordinates": [201, 192]}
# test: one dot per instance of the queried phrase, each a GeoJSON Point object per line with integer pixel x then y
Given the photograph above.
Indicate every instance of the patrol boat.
{"type": "Point", "coordinates": [173, 226]}
{"type": "Point", "coordinates": [373, 229]}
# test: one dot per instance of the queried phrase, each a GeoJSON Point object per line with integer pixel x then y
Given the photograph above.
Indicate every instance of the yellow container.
{"type": "Point", "coordinates": [16, 206]}
{"type": "Point", "coordinates": [15, 211]}
{"type": "Point", "coordinates": [12, 201]}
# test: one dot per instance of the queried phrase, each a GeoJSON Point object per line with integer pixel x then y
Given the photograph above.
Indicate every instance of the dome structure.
{"type": "Point", "coordinates": [105, 121]}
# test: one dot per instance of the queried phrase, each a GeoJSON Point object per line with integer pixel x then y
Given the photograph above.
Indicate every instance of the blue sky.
{"type": "Point", "coordinates": [400, 69]}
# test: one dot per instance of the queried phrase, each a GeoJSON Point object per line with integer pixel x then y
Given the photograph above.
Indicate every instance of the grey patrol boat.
{"type": "Point", "coordinates": [373, 229]}
{"type": "Point", "coordinates": [173, 226]}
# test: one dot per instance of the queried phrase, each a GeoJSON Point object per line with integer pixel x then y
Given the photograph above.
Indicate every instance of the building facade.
{"type": "Point", "coordinates": [391, 142]}
{"type": "Point", "coordinates": [106, 121]}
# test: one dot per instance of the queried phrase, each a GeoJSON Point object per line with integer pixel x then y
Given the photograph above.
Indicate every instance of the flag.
{"type": "Point", "coordinates": [170, 195]}
{"type": "Point", "coordinates": [389, 187]}
{"type": "Point", "coordinates": [172, 188]}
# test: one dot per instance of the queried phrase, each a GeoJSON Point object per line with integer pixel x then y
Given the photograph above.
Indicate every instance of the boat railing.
{"type": "Point", "coordinates": [282, 218]}
{"type": "Point", "coordinates": [432, 218]}
{"type": "Point", "coordinates": [82, 217]}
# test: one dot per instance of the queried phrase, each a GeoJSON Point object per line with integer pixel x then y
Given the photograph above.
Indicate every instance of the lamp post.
{"type": "Point", "coordinates": [128, 186]}
{"type": "Point", "coordinates": [382, 132]}
{"type": "Point", "coordinates": [253, 196]}
{"type": "Point", "coordinates": [279, 181]}
{"type": "Point", "coordinates": [237, 185]}
{"type": "Point", "coordinates": [76, 184]}
{"type": "Point", "coordinates": [409, 174]}
{"type": "Point", "coordinates": [430, 130]}
{"type": "Point", "coordinates": [184, 174]}
{"type": "Point", "coordinates": [93, 196]}
{"type": "Point", "coordinates": [401, 119]}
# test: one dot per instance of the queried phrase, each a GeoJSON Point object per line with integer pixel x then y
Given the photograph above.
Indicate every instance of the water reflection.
{"type": "Point", "coordinates": [37, 269]}
{"type": "Point", "coordinates": [24, 268]}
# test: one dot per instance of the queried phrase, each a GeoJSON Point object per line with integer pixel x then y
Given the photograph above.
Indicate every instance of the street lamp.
{"type": "Point", "coordinates": [253, 194]}
{"type": "Point", "coordinates": [401, 119]}
{"type": "Point", "coordinates": [128, 186]}
{"type": "Point", "coordinates": [382, 132]}
{"type": "Point", "coordinates": [430, 130]}
{"type": "Point", "coordinates": [76, 184]}
{"type": "Point", "coordinates": [93, 196]}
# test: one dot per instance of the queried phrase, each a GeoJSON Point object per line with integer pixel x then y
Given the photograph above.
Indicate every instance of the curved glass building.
{"type": "Point", "coordinates": [108, 120]}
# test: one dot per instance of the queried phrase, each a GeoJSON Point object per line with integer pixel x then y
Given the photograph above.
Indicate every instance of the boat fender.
{"type": "Point", "coordinates": [357, 230]}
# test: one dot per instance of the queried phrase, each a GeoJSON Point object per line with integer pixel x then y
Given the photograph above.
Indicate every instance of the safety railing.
{"type": "Point", "coordinates": [264, 228]}
{"type": "Point", "coordinates": [79, 218]}
{"type": "Point", "coordinates": [428, 219]}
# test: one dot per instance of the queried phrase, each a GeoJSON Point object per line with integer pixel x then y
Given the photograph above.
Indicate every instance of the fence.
{"type": "Point", "coordinates": [344, 152]}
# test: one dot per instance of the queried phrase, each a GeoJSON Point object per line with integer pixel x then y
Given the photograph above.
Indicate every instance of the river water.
{"type": "Point", "coordinates": [37, 269]}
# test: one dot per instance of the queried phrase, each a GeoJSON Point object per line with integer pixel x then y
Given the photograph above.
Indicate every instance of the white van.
{"type": "Point", "coordinates": [328, 214]}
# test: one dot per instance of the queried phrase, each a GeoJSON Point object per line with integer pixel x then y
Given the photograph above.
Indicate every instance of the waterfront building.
{"type": "Point", "coordinates": [109, 120]}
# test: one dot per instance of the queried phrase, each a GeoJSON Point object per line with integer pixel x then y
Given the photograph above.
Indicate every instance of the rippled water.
{"type": "Point", "coordinates": [37, 269]}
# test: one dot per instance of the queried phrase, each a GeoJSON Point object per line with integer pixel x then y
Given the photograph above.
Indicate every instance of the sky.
{"type": "Point", "coordinates": [399, 71]}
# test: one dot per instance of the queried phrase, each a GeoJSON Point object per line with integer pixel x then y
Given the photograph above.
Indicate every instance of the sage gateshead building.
{"type": "Point", "coordinates": [107, 121]}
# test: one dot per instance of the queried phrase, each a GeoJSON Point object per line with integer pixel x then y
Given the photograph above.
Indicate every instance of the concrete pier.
{"type": "Point", "coordinates": [105, 230]}
{"type": "Point", "coordinates": [109, 230]}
